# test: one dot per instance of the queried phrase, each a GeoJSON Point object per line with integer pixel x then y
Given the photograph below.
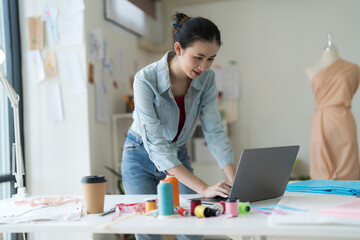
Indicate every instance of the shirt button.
{"type": "Point", "coordinates": [187, 112]}
{"type": "Point", "coordinates": [162, 106]}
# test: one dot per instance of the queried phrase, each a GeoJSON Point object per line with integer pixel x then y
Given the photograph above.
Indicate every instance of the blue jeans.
{"type": "Point", "coordinates": [140, 175]}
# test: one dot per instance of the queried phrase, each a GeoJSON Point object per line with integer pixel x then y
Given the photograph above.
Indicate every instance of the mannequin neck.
{"type": "Point", "coordinates": [329, 57]}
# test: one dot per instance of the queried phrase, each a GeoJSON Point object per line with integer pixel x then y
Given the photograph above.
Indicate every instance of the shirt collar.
{"type": "Point", "coordinates": [164, 77]}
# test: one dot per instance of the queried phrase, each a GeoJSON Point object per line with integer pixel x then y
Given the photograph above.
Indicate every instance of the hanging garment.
{"type": "Point", "coordinates": [334, 152]}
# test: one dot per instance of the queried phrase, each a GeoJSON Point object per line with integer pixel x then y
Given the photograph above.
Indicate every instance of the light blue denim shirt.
{"type": "Point", "coordinates": [156, 115]}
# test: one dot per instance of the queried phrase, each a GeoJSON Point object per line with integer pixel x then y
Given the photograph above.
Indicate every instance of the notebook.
{"type": "Point", "coordinates": [261, 173]}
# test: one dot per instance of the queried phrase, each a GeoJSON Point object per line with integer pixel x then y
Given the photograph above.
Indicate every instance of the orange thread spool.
{"type": "Point", "coordinates": [175, 184]}
{"type": "Point", "coordinates": [149, 206]}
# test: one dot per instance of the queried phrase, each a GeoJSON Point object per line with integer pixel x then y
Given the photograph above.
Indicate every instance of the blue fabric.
{"type": "Point", "coordinates": [326, 186]}
{"type": "Point", "coordinates": [140, 176]}
{"type": "Point", "coordinates": [156, 115]}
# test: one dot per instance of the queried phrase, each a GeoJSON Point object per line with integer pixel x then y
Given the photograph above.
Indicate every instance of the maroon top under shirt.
{"type": "Point", "coordinates": [181, 104]}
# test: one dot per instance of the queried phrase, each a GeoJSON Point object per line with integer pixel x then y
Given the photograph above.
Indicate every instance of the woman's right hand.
{"type": "Point", "coordinates": [221, 189]}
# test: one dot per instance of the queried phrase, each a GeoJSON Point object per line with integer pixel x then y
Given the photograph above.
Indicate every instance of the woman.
{"type": "Point", "coordinates": [170, 95]}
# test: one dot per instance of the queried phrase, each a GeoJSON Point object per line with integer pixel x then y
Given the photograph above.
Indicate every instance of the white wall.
{"type": "Point", "coordinates": [57, 155]}
{"type": "Point", "coordinates": [273, 42]}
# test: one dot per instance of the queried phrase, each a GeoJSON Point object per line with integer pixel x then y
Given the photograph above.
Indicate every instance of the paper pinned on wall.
{"type": "Point", "coordinates": [71, 27]}
{"type": "Point", "coordinates": [101, 103]}
{"type": "Point", "coordinates": [36, 33]}
{"type": "Point", "coordinates": [96, 44]}
{"type": "Point", "coordinates": [72, 68]}
{"type": "Point", "coordinates": [50, 64]}
{"type": "Point", "coordinates": [49, 15]}
{"type": "Point", "coordinates": [75, 5]}
{"type": "Point", "coordinates": [36, 66]}
{"type": "Point", "coordinates": [53, 102]}
{"type": "Point", "coordinates": [227, 81]}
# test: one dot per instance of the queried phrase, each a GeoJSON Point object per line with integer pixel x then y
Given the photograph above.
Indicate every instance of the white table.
{"type": "Point", "coordinates": [253, 224]}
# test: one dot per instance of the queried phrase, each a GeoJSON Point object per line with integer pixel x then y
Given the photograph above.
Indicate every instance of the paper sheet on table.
{"type": "Point", "coordinates": [101, 103]}
{"type": "Point", "coordinates": [50, 64]}
{"type": "Point", "coordinates": [54, 102]}
{"type": "Point", "coordinates": [96, 44]}
{"type": "Point", "coordinates": [12, 213]}
{"type": "Point", "coordinates": [36, 66]}
{"type": "Point", "coordinates": [49, 15]}
{"type": "Point", "coordinates": [74, 74]}
{"type": "Point", "coordinates": [36, 33]}
{"type": "Point", "coordinates": [313, 204]}
{"type": "Point", "coordinates": [349, 209]}
{"type": "Point", "coordinates": [71, 27]}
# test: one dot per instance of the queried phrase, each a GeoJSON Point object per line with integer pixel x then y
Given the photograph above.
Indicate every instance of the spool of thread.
{"type": "Point", "coordinates": [183, 212]}
{"type": "Point", "coordinates": [193, 205]}
{"type": "Point", "coordinates": [165, 198]}
{"type": "Point", "coordinates": [175, 184]}
{"type": "Point", "coordinates": [219, 207]}
{"type": "Point", "coordinates": [150, 205]}
{"type": "Point", "coordinates": [215, 212]}
{"type": "Point", "coordinates": [202, 211]}
{"type": "Point", "coordinates": [223, 204]}
{"type": "Point", "coordinates": [231, 208]}
{"type": "Point", "coordinates": [244, 207]}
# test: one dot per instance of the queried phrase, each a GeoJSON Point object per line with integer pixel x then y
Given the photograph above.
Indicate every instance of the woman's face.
{"type": "Point", "coordinates": [197, 58]}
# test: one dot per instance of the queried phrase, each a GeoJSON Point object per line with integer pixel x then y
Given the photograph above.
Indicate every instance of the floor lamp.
{"type": "Point", "coordinates": [17, 156]}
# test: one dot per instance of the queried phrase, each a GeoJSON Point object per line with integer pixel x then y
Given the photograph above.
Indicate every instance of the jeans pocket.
{"type": "Point", "coordinates": [132, 145]}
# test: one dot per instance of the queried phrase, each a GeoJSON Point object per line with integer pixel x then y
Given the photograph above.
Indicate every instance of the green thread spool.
{"type": "Point", "coordinates": [244, 207]}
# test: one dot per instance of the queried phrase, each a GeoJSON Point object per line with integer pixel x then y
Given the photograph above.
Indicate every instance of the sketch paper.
{"type": "Point", "coordinates": [96, 44]}
{"type": "Point", "coordinates": [71, 27]}
{"type": "Point", "coordinates": [36, 66]}
{"type": "Point", "coordinates": [50, 64]}
{"type": "Point", "coordinates": [53, 102]}
{"type": "Point", "coordinates": [36, 33]}
{"type": "Point", "coordinates": [49, 15]}
{"type": "Point", "coordinates": [227, 81]}
{"type": "Point", "coordinates": [74, 75]}
{"type": "Point", "coordinates": [101, 103]}
{"type": "Point", "coordinates": [75, 5]}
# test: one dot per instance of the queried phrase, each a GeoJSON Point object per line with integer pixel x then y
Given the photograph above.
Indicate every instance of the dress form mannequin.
{"type": "Point", "coordinates": [334, 151]}
{"type": "Point", "coordinates": [330, 55]}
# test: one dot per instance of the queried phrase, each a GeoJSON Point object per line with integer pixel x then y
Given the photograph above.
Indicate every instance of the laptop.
{"type": "Point", "coordinates": [262, 173]}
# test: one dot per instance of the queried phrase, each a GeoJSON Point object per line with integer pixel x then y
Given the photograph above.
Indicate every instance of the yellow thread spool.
{"type": "Point", "coordinates": [202, 211]}
{"type": "Point", "coordinates": [149, 206]}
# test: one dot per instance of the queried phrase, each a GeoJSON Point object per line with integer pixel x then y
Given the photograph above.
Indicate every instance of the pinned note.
{"type": "Point", "coordinates": [49, 15]}
{"type": "Point", "coordinates": [96, 45]}
{"type": "Point", "coordinates": [50, 64]}
{"type": "Point", "coordinates": [36, 66]}
{"type": "Point", "coordinates": [53, 102]}
{"type": "Point", "coordinates": [36, 33]}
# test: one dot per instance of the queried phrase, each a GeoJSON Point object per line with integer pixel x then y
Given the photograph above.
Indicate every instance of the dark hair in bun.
{"type": "Point", "coordinates": [187, 30]}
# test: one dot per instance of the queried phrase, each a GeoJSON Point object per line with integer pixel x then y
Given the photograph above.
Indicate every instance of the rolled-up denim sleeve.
{"type": "Point", "coordinates": [155, 143]}
{"type": "Point", "coordinates": [212, 126]}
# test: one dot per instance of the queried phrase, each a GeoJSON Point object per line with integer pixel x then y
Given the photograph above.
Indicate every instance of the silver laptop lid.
{"type": "Point", "coordinates": [263, 173]}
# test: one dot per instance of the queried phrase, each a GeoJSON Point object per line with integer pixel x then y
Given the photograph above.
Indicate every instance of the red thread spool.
{"type": "Point", "coordinates": [193, 204]}
{"type": "Point", "coordinates": [183, 212]}
{"type": "Point", "coordinates": [223, 204]}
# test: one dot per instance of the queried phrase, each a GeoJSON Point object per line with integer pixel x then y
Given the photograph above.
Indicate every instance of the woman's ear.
{"type": "Point", "coordinates": [177, 48]}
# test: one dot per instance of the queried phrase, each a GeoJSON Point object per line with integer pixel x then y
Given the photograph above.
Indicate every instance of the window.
{"type": "Point", "coordinates": [6, 183]}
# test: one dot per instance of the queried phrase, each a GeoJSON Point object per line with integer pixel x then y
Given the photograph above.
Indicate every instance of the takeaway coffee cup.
{"type": "Point", "coordinates": [93, 188]}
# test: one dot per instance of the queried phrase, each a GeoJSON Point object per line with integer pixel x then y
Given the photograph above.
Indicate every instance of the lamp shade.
{"type": "Point", "coordinates": [2, 56]}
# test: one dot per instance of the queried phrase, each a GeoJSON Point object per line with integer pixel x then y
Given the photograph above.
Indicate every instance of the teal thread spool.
{"type": "Point", "coordinates": [165, 198]}
{"type": "Point", "coordinates": [244, 207]}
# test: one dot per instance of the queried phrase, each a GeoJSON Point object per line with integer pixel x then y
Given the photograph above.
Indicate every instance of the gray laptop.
{"type": "Point", "coordinates": [262, 173]}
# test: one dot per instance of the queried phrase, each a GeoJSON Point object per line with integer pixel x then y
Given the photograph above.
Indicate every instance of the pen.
{"type": "Point", "coordinates": [111, 210]}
